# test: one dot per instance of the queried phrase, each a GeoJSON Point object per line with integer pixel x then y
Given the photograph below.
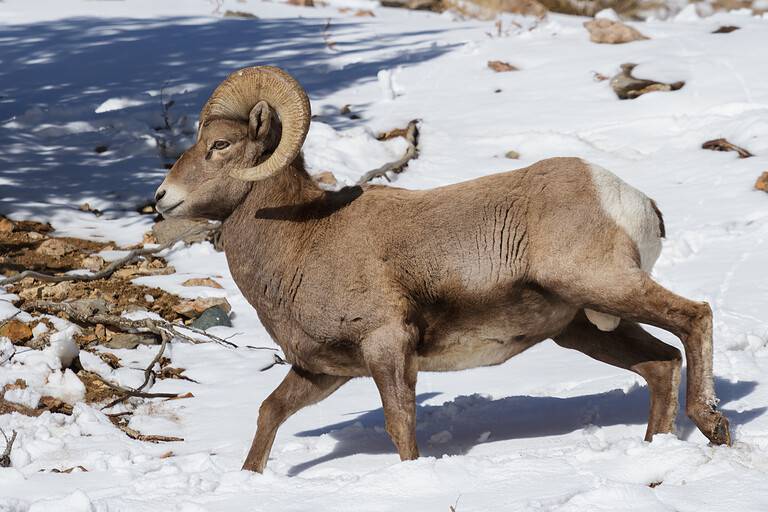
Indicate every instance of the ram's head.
{"type": "Point", "coordinates": [251, 128]}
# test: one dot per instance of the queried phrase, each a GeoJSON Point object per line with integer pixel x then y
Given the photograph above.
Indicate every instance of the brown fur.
{"type": "Point", "coordinates": [384, 282]}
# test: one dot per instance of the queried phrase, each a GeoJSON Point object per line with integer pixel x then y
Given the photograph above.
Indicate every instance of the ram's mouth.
{"type": "Point", "coordinates": [166, 211]}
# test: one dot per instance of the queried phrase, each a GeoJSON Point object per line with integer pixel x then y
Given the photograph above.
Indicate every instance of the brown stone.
{"type": "Point", "coordinates": [6, 226]}
{"type": "Point", "coordinates": [16, 331]}
{"type": "Point", "coordinates": [201, 281]}
{"type": "Point", "coordinates": [131, 340]}
{"type": "Point", "coordinates": [762, 182]}
{"type": "Point", "coordinates": [171, 229]}
{"type": "Point", "coordinates": [55, 247]}
{"type": "Point", "coordinates": [490, 9]}
{"type": "Point", "coordinates": [500, 66]}
{"type": "Point", "coordinates": [93, 263]}
{"type": "Point", "coordinates": [605, 31]}
{"type": "Point", "coordinates": [57, 292]}
{"type": "Point", "coordinates": [193, 308]}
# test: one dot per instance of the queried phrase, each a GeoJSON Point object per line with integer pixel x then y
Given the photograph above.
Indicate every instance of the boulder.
{"type": "Point", "coordinates": [212, 317]}
{"type": "Point", "coordinates": [171, 229]}
{"type": "Point", "coordinates": [194, 308]}
{"type": "Point", "coordinates": [605, 31]}
{"type": "Point", "coordinates": [762, 182]}
{"type": "Point", "coordinates": [201, 281]}
{"type": "Point", "coordinates": [131, 340]}
{"type": "Point", "coordinates": [55, 247]}
{"type": "Point", "coordinates": [16, 331]}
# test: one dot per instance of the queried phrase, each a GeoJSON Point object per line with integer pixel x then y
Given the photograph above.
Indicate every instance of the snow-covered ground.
{"type": "Point", "coordinates": [548, 430]}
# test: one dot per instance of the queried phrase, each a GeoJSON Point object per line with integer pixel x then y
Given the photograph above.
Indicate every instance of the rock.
{"type": "Point", "coordinates": [55, 247]}
{"type": "Point", "coordinates": [89, 307]}
{"type": "Point", "coordinates": [16, 330]}
{"type": "Point", "coordinates": [95, 388]}
{"type": "Point", "coordinates": [6, 225]}
{"type": "Point", "coordinates": [102, 148]}
{"type": "Point", "coordinates": [85, 207]}
{"type": "Point", "coordinates": [57, 291]}
{"type": "Point", "coordinates": [500, 66]}
{"type": "Point", "coordinates": [154, 267]}
{"type": "Point", "coordinates": [201, 281]}
{"type": "Point", "coordinates": [627, 87]}
{"type": "Point", "coordinates": [31, 225]}
{"type": "Point", "coordinates": [325, 178]}
{"type": "Point", "coordinates": [93, 263]}
{"type": "Point", "coordinates": [514, 155]}
{"type": "Point", "coordinates": [605, 31]}
{"type": "Point", "coordinates": [170, 229]}
{"type": "Point", "coordinates": [762, 182]}
{"type": "Point", "coordinates": [490, 9]}
{"type": "Point", "coordinates": [131, 340]}
{"type": "Point", "coordinates": [212, 317]}
{"type": "Point", "coordinates": [194, 308]}
{"type": "Point", "coordinates": [725, 29]}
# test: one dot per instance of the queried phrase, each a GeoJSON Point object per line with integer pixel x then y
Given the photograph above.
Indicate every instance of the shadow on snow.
{"type": "Point", "coordinates": [58, 73]}
{"type": "Point", "coordinates": [455, 427]}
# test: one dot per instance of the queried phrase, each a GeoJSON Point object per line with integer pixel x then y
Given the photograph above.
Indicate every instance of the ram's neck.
{"type": "Point", "coordinates": [266, 237]}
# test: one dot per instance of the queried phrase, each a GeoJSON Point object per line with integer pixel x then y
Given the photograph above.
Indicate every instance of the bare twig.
{"type": "Point", "coordinates": [5, 458]}
{"type": "Point", "coordinates": [327, 36]}
{"type": "Point", "coordinates": [10, 318]}
{"type": "Point", "coordinates": [162, 328]}
{"type": "Point", "coordinates": [412, 137]}
{"type": "Point", "coordinates": [133, 434]}
{"type": "Point", "coordinates": [276, 360]}
{"type": "Point", "coordinates": [115, 265]}
{"type": "Point", "coordinates": [148, 374]}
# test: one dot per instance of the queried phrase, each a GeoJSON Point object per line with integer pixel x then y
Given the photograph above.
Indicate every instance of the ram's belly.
{"type": "Point", "coordinates": [489, 334]}
{"type": "Point", "coordinates": [464, 350]}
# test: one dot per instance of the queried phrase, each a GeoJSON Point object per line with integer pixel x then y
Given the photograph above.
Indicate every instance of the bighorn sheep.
{"type": "Point", "coordinates": [383, 282]}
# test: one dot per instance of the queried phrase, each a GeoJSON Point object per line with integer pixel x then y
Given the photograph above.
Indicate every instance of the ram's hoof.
{"type": "Point", "coordinates": [721, 432]}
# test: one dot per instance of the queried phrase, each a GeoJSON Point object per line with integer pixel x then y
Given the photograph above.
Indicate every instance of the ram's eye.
{"type": "Point", "coordinates": [220, 144]}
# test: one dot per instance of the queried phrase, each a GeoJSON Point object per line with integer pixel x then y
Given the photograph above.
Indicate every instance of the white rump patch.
{"type": "Point", "coordinates": [632, 211]}
{"type": "Point", "coordinates": [602, 321]}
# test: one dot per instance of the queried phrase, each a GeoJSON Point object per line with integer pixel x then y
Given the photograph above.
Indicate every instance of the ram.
{"type": "Point", "coordinates": [384, 282]}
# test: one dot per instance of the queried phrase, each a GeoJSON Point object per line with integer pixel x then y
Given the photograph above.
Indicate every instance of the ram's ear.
{"type": "Point", "coordinates": [259, 121]}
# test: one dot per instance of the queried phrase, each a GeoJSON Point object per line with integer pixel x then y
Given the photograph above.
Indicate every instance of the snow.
{"type": "Point", "coordinates": [550, 430]}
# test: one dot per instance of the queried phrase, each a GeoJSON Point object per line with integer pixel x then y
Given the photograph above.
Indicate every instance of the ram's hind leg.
{"type": "Point", "coordinates": [633, 295]}
{"type": "Point", "coordinates": [632, 348]}
{"type": "Point", "coordinates": [298, 390]}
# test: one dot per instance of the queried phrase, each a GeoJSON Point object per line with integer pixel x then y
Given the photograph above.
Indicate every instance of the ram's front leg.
{"type": "Point", "coordinates": [299, 389]}
{"type": "Point", "coordinates": [389, 354]}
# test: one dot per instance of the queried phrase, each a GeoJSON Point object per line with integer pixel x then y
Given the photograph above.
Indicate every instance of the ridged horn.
{"type": "Point", "coordinates": [241, 90]}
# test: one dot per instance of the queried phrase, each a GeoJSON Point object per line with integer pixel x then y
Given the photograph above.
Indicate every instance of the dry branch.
{"type": "Point", "coordinates": [724, 145]}
{"type": "Point", "coordinates": [133, 434]}
{"type": "Point", "coordinates": [412, 137]}
{"type": "Point", "coordinates": [78, 312]}
{"type": "Point", "coordinates": [112, 267]}
{"type": "Point", "coordinates": [5, 458]}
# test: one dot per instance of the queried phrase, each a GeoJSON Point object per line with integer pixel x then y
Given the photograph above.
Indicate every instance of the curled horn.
{"type": "Point", "coordinates": [240, 91]}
